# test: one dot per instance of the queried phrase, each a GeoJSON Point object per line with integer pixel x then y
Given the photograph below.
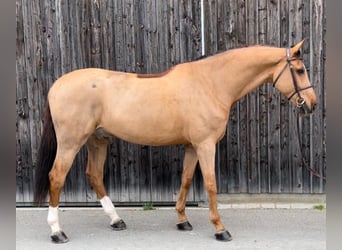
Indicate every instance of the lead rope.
{"type": "Point", "coordinates": [308, 167]}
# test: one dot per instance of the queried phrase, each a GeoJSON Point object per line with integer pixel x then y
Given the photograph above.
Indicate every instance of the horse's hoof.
{"type": "Point", "coordinates": [59, 237]}
{"type": "Point", "coordinates": [184, 226]}
{"type": "Point", "coordinates": [118, 226]}
{"type": "Point", "coordinates": [223, 236]}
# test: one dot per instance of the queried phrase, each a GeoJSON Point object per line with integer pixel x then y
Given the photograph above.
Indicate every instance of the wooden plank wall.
{"type": "Point", "coordinates": [259, 154]}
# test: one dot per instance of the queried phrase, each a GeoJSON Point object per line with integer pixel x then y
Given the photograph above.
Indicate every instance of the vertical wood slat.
{"type": "Point", "coordinates": [259, 152]}
{"type": "Point", "coordinates": [285, 107]}
{"type": "Point", "coordinates": [23, 149]}
{"type": "Point", "coordinates": [242, 105]}
{"type": "Point", "coordinates": [317, 76]}
{"type": "Point", "coordinates": [263, 107]}
{"type": "Point", "coordinates": [295, 24]}
{"type": "Point", "coordinates": [274, 108]}
{"type": "Point", "coordinates": [252, 105]}
{"type": "Point", "coordinates": [232, 138]}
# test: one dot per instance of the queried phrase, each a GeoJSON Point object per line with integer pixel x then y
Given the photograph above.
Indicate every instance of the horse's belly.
{"type": "Point", "coordinates": [147, 130]}
{"type": "Point", "coordinates": [147, 136]}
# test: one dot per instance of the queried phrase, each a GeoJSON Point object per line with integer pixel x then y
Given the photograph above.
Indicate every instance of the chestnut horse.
{"type": "Point", "coordinates": [188, 104]}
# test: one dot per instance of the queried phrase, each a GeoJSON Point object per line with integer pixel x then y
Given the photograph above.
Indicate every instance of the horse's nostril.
{"type": "Point", "coordinates": [313, 107]}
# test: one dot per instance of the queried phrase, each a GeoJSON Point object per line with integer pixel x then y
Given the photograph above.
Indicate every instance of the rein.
{"type": "Point", "coordinates": [300, 103]}
{"type": "Point", "coordinates": [307, 166]}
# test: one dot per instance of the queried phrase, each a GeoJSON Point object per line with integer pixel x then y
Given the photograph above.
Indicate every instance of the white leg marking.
{"type": "Point", "coordinates": [52, 219]}
{"type": "Point", "coordinates": [109, 209]}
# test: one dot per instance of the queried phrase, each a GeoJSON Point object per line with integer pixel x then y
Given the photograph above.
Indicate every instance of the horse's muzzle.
{"type": "Point", "coordinates": [304, 109]}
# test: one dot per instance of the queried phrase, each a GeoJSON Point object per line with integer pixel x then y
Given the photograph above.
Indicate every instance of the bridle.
{"type": "Point", "coordinates": [300, 101]}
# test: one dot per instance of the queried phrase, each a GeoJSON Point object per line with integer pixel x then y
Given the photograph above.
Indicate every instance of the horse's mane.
{"type": "Point", "coordinates": [139, 75]}
{"type": "Point", "coordinates": [225, 51]}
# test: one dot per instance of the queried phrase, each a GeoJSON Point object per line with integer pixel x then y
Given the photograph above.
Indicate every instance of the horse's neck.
{"type": "Point", "coordinates": [238, 72]}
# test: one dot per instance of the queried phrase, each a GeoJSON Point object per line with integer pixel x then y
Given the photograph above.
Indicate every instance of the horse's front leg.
{"type": "Point", "coordinates": [206, 155]}
{"type": "Point", "coordinates": [189, 165]}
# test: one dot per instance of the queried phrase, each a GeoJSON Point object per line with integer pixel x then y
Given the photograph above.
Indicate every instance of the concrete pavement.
{"type": "Point", "coordinates": [254, 228]}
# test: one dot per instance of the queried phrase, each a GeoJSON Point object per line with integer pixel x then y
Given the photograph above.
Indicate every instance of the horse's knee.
{"type": "Point", "coordinates": [211, 189]}
{"type": "Point", "coordinates": [186, 182]}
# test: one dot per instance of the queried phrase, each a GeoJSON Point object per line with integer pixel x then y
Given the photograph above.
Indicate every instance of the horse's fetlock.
{"type": "Point", "coordinates": [215, 217]}
{"type": "Point", "coordinates": [53, 219]}
{"type": "Point", "coordinates": [180, 208]}
{"type": "Point", "coordinates": [52, 214]}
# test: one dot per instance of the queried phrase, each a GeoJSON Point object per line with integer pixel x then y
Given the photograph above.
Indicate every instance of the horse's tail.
{"type": "Point", "coordinates": [46, 158]}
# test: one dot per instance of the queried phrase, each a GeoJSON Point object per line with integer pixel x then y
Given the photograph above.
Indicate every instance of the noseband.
{"type": "Point", "coordinates": [300, 101]}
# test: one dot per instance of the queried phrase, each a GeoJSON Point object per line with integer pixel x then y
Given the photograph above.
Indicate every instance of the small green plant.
{"type": "Point", "coordinates": [148, 206]}
{"type": "Point", "coordinates": [319, 207]}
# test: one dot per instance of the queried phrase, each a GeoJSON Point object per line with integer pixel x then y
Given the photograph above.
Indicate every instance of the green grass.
{"type": "Point", "coordinates": [148, 206]}
{"type": "Point", "coordinates": [319, 207]}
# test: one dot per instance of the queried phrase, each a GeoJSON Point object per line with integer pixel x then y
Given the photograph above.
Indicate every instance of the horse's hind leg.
{"type": "Point", "coordinates": [189, 165]}
{"type": "Point", "coordinates": [97, 151]}
{"type": "Point", "coordinates": [62, 164]}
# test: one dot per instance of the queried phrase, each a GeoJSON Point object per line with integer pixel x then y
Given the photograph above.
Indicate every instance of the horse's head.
{"type": "Point", "coordinates": [291, 78]}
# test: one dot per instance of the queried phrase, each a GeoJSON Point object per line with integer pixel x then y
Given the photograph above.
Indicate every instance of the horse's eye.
{"type": "Point", "coordinates": [300, 71]}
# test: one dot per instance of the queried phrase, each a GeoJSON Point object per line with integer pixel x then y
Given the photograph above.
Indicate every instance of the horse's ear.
{"type": "Point", "coordinates": [295, 49]}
